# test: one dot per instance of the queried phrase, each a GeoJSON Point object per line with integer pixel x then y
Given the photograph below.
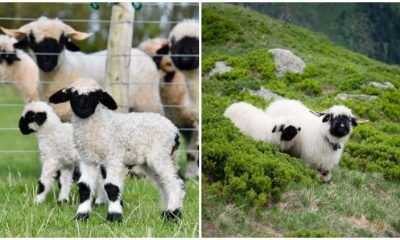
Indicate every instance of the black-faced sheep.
{"type": "Point", "coordinates": [117, 140]}
{"type": "Point", "coordinates": [322, 139]}
{"type": "Point", "coordinates": [49, 41]}
{"type": "Point", "coordinates": [175, 95]}
{"type": "Point", "coordinates": [19, 69]}
{"type": "Point", "coordinates": [254, 123]}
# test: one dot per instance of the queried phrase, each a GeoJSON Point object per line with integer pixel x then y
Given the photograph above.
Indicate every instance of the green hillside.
{"type": "Point", "coordinates": [254, 178]}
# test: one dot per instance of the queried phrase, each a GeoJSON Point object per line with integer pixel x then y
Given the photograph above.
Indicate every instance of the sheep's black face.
{"type": "Point", "coordinates": [31, 117]}
{"type": "Point", "coordinates": [8, 57]}
{"type": "Point", "coordinates": [84, 105]}
{"type": "Point", "coordinates": [189, 46]}
{"type": "Point", "coordinates": [340, 125]}
{"type": "Point", "coordinates": [48, 50]}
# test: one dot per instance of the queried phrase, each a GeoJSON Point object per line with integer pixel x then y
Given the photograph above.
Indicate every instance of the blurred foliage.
{"type": "Point", "coordinates": [248, 171]}
{"type": "Point", "coordinates": [160, 15]}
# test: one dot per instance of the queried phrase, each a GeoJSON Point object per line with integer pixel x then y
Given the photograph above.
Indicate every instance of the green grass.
{"type": "Point", "coordinates": [20, 217]}
{"type": "Point", "coordinates": [245, 181]}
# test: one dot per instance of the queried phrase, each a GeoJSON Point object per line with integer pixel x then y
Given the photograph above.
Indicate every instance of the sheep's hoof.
{"type": "Point", "coordinates": [172, 215]}
{"type": "Point", "coordinates": [82, 216]}
{"type": "Point", "coordinates": [114, 217]}
{"type": "Point", "coordinates": [60, 202]}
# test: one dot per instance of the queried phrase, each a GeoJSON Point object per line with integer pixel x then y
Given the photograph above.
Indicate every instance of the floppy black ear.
{"type": "Point", "coordinates": [326, 118]}
{"type": "Point", "coordinates": [23, 126]}
{"type": "Point", "coordinates": [71, 45]}
{"type": "Point", "coordinates": [22, 44]}
{"type": "Point", "coordinates": [274, 129]}
{"type": "Point", "coordinates": [60, 96]}
{"type": "Point", "coordinates": [108, 101]}
{"type": "Point", "coordinates": [354, 121]}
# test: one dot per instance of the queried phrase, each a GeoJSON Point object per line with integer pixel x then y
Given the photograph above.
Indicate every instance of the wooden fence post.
{"type": "Point", "coordinates": [118, 53]}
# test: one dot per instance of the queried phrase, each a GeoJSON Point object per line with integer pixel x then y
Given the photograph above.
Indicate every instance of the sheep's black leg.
{"type": "Point", "coordinates": [114, 187]}
{"type": "Point", "coordinates": [87, 183]}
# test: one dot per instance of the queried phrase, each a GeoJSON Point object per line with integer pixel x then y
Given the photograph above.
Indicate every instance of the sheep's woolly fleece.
{"type": "Point", "coordinates": [186, 28]}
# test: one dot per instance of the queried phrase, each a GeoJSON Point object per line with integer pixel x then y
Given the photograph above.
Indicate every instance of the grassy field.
{"type": "Point", "coordinates": [251, 188]}
{"type": "Point", "coordinates": [20, 217]}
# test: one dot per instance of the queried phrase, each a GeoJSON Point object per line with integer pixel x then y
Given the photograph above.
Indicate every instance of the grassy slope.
{"type": "Point", "coordinates": [19, 174]}
{"type": "Point", "coordinates": [242, 37]}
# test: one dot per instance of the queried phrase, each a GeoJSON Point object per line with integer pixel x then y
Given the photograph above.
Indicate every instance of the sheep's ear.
{"type": "Point", "coordinates": [60, 96]}
{"type": "Point", "coordinates": [23, 126]}
{"type": "Point", "coordinates": [354, 121]}
{"type": "Point", "coordinates": [71, 45]}
{"type": "Point", "coordinates": [17, 33]}
{"type": "Point", "coordinates": [108, 101]}
{"type": "Point", "coordinates": [274, 129]}
{"type": "Point", "coordinates": [326, 118]}
{"type": "Point", "coordinates": [22, 44]}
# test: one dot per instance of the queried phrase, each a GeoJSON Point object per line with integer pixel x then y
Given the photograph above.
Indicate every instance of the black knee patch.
{"type": "Point", "coordinates": [114, 217]}
{"type": "Point", "coordinates": [288, 133]}
{"type": "Point", "coordinates": [40, 188]}
{"type": "Point", "coordinates": [172, 215]}
{"type": "Point", "coordinates": [103, 171]}
{"type": "Point", "coordinates": [176, 145]}
{"type": "Point", "coordinates": [84, 192]}
{"type": "Point", "coordinates": [112, 191]}
{"type": "Point", "coordinates": [76, 174]}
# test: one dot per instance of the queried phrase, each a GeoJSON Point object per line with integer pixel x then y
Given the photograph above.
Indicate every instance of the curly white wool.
{"type": "Point", "coordinates": [23, 74]}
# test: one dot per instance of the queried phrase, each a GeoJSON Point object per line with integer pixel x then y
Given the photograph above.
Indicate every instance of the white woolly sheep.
{"type": "Point", "coordinates": [57, 151]}
{"type": "Point", "coordinates": [254, 123]}
{"type": "Point", "coordinates": [117, 140]}
{"type": "Point", "coordinates": [17, 67]}
{"type": "Point", "coordinates": [49, 41]}
{"type": "Point", "coordinates": [322, 139]}
{"type": "Point", "coordinates": [174, 93]}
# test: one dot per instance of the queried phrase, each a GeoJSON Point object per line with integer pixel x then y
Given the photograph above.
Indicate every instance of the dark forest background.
{"type": "Point", "coordinates": [372, 29]}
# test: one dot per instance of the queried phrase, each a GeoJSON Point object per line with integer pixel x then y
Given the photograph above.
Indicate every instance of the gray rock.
{"type": "Point", "coordinates": [286, 61]}
{"type": "Point", "coordinates": [220, 68]}
{"type": "Point", "coordinates": [384, 85]}
{"type": "Point", "coordinates": [362, 97]}
{"type": "Point", "coordinates": [265, 94]}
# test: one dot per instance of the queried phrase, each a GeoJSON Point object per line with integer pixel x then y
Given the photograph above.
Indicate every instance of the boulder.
{"type": "Point", "coordinates": [286, 61]}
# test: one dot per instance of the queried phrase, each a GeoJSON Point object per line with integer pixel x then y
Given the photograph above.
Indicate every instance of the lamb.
{"type": "Point", "coordinates": [58, 59]}
{"type": "Point", "coordinates": [253, 122]}
{"type": "Point", "coordinates": [117, 140]}
{"type": "Point", "coordinates": [19, 69]}
{"type": "Point", "coordinates": [57, 151]}
{"type": "Point", "coordinates": [174, 93]}
{"type": "Point", "coordinates": [322, 139]}
{"type": "Point", "coordinates": [184, 40]}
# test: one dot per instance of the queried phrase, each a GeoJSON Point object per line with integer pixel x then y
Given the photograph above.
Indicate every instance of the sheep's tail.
{"type": "Point", "coordinates": [250, 120]}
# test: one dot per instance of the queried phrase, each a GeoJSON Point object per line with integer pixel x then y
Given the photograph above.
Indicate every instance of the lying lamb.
{"type": "Point", "coordinates": [322, 139]}
{"type": "Point", "coordinates": [117, 140]}
{"type": "Point", "coordinates": [254, 123]}
{"type": "Point", "coordinates": [57, 150]}
{"type": "Point", "coordinates": [18, 68]}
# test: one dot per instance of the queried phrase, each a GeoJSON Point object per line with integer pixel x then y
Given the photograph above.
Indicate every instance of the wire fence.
{"type": "Point", "coordinates": [95, 54]}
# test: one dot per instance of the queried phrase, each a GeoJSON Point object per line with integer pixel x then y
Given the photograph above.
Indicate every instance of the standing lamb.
{"type": "Point", "coordinates": [19, 69]}
{"type": "Point", "coordinates": [175, 96]}
{"type": "Point", "coordinates": [253, 122]}
{"type": "Point", "coordinates": [117, 140]}
{"type": "Point", "coordinates": [184, 40]}
{"type": "Point", "coordinates": [59, 62]}
{"type": "Point", "coordinates": [322, 138]}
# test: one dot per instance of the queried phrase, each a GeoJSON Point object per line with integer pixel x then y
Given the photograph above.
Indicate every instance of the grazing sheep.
{"type": "Point", "coordinates": [254, 123]}
{"type": "Point", "coordinates": [322, 139]}
{"type": "Point", "coordinates": [18, 68]}
{"type": "Point", "coordinates": [49, 41]}
{"type": "Point", "coordinates": [118, 140]}
{"type": "Point", "coordinates": [174, 94]}
{"type": "Point", "coordinates": [57, 151]}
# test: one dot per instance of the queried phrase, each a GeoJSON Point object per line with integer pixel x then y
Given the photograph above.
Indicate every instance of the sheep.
{"type": "Point", "coordinates": [58, 154]}
{"type": "Point", "coordinates": [63, 63]}
{"type": "Point", "coordinates": [175, 94]}
{"type": "Point", "coordinates": [321, 141]}
{"type": "Point", "coordinates": [117, 140]}
{"type": "Point", "coordinates": [184, 40]}
{"type": "Point", "coordinates": [19, 69]}
{"type": "Point", "coordinates": [253, 122]}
